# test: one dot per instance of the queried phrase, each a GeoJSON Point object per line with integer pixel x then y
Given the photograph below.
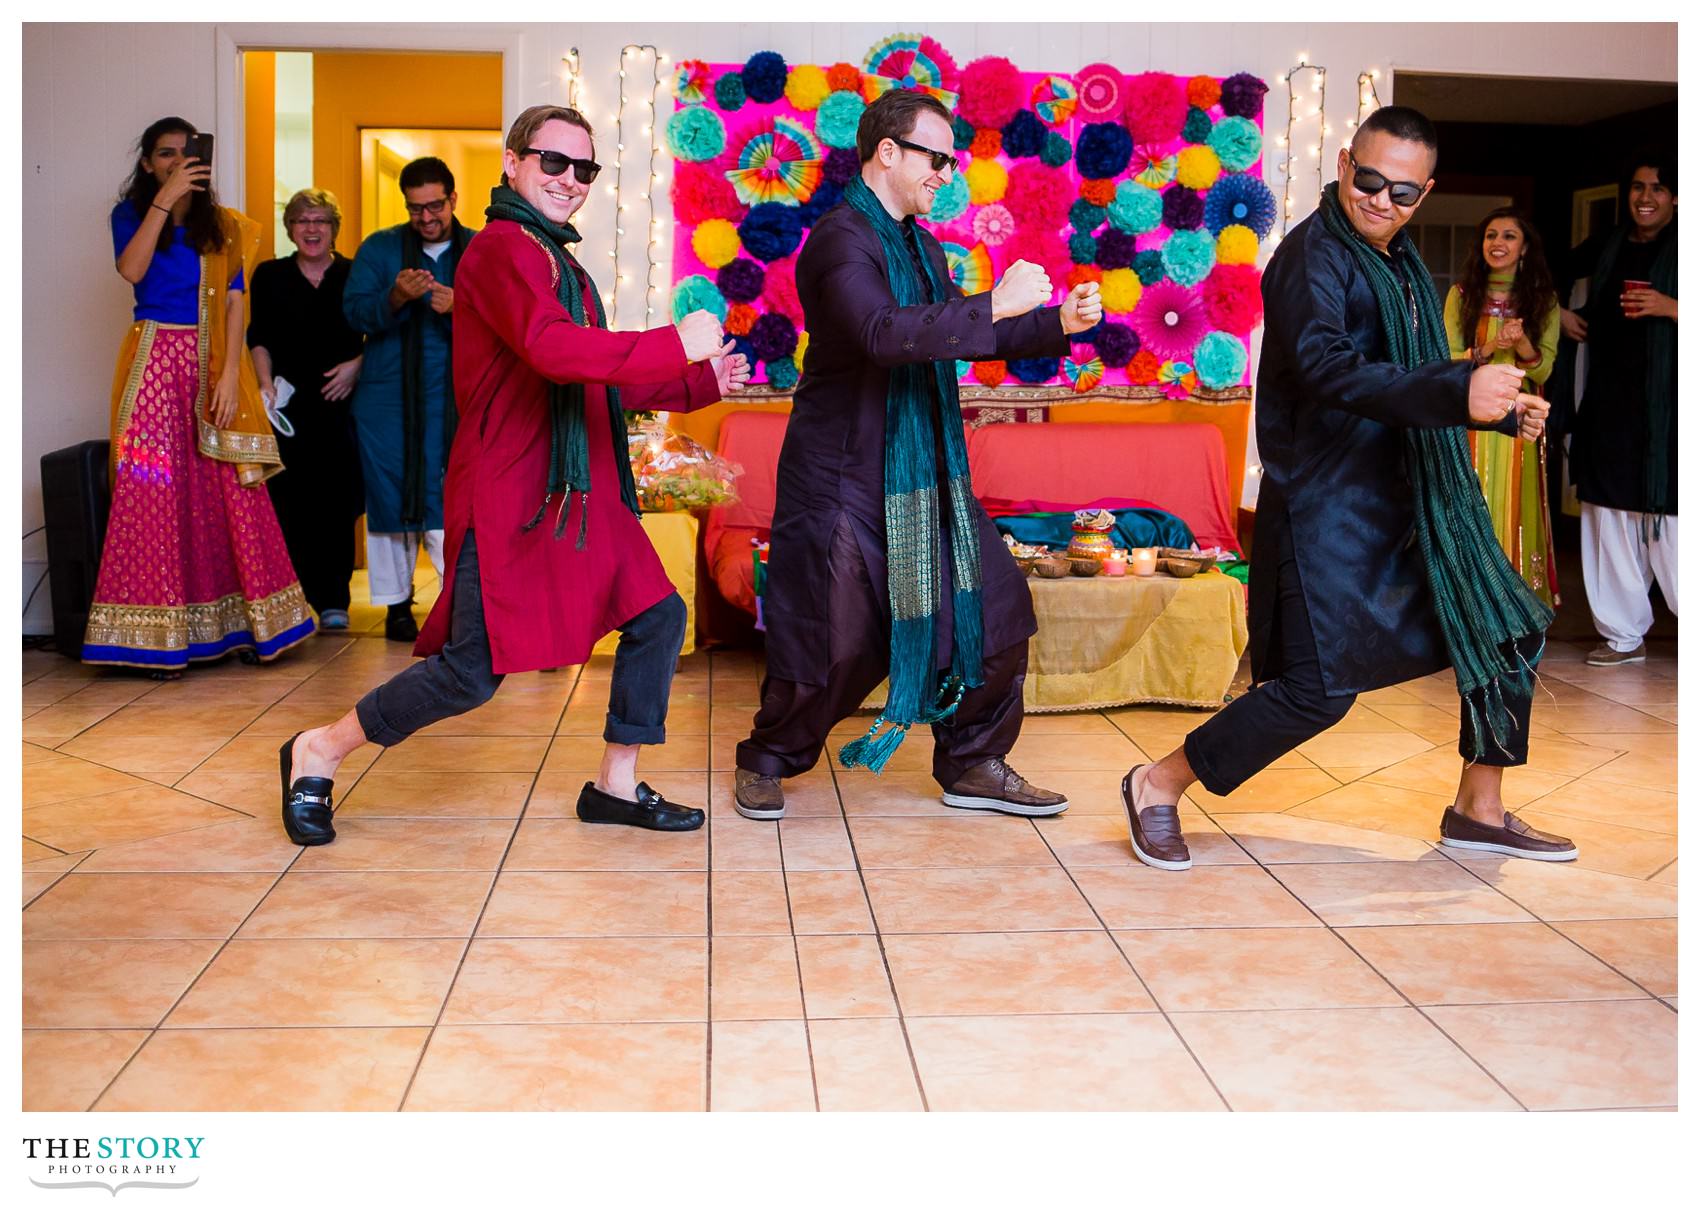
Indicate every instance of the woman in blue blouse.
{"type": "Point", "coordinates": [194, 565]}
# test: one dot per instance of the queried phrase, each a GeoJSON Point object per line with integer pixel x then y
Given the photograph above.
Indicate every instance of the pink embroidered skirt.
{"type": "Point", "coordinates": [194, 565]}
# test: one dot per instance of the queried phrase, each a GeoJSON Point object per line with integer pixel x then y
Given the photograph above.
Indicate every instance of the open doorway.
{"type": "Point", "coordinates": [327, 118]}
{"type": "Point", "coordinates": [1555, 149]}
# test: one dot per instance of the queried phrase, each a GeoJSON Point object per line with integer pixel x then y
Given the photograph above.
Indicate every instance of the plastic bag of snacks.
{"type": "Point", "coordinates": [676, 472]}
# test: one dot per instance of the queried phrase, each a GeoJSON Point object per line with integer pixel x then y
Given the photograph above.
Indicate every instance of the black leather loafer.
{"type": "Point", "coordinates": [651, 811]}
{"type": "Point", "coordinates": [306, 803]}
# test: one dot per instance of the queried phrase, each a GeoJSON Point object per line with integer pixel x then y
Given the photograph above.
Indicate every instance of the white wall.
{"type": "Point", "coordinates": [89, 89]}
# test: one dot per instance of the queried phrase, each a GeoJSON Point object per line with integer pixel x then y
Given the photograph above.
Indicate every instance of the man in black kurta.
{"type": "Point", "coordinates": [826, 607]}
{"type": "Point", "coordinates": [1623, 451]}
{"type": "Point", "coordinates": [1339, 598]}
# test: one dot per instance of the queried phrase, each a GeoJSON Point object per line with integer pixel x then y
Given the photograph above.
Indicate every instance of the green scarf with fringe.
{"type": "Point", "coordinates": [921, 403]}
{"type": "Point", "coordinates": [1483, 604]}
{"type": "Point", "coordinates": [569, 445]}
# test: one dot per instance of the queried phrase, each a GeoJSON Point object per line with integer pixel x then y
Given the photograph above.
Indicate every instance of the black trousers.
{"type": "Point", "coordinates": [318, 530]}
{"type": "Point", "coordinates": [1288, 710]}
{"type": "Point", "coordinates": [460, 678]}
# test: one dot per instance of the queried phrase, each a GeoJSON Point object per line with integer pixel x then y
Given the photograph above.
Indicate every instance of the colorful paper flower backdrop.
{"type": "Point", "coordinates": [1149, 184]}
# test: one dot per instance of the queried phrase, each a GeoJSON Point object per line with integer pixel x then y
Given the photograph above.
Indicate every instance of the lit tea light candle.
{"type": "Point", "coordinates": [1142, 562]}
{"type": "Point", "coordinates": [1115, 564]}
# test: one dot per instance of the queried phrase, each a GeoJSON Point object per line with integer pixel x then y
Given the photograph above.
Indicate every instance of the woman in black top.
{"type": "Point", "coordinates": [299, 337]}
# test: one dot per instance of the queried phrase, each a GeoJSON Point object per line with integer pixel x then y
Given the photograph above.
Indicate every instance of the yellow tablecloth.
{"type": "Point", "coordinates": [675, 538]}
{"type": "Point", "coordinates": [1108, 641]}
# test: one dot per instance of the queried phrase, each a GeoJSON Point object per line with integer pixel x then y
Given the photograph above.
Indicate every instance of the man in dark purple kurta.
{"type": "Point", "coordinates": [827, 606]}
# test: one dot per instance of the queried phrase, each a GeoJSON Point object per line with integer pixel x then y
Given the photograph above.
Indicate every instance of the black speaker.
{"type": "Point", "coordinates": [76, 497]}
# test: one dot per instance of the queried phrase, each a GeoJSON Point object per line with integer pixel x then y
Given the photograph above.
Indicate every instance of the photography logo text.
{"type": "Point", "coordinates": [113, 1163]}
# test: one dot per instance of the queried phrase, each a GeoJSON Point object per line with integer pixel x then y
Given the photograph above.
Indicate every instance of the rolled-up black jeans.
{"type": "Point", "coordinates": [461, 678]}
{"type": "Point", "coordinates": [1282, 713]}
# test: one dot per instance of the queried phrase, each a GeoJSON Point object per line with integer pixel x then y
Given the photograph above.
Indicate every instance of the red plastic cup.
{"type": "Point", "coordinates": [1631, 284]}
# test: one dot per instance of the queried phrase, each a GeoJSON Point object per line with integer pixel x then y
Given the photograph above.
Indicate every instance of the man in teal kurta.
{"type": "Point", "coordinates": [400, 293]}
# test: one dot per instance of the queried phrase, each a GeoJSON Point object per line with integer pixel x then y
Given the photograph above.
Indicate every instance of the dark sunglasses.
{"type": "Point", "coordinates": [941, 160]}
{"type": "Point", "coordinates": [554, 164]}
{"type": "Point", "coordinates": [1368, 181]}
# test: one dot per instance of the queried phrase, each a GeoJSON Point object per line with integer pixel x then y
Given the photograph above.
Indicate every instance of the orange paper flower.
{"type": "Point", "coordinates": [988, 142]}
{"type": "Point", "coordinates": [1144, 368]}
{"type": "Point", "coordinates": [1084, 273]}
{"type": "Point", "coordinates": [740, 319]}
{"type": "Point", "coordinates": [1203, 91]}
{"type": "Point", "coordinates": [844, 77]}
{"type": "Point", "coordinates": [991, 373]}
{"type": "Point", "coordinates": [1098, 193]}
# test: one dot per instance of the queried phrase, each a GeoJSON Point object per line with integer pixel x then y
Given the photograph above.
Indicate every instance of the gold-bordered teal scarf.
{"type": "Point", "coordinates": [921, 403]}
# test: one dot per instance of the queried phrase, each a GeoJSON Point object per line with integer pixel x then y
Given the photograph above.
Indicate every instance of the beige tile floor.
{"type": "Point", "coordinates": [468, 944]}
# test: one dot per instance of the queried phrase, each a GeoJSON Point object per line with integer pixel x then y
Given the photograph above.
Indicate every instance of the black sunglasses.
{"type": "Point", "coordinates": [940, 159]}
{"type": "Point", "coordinates": [1368, 181]}
{"type": "Point", "coordinates": [554, 164]}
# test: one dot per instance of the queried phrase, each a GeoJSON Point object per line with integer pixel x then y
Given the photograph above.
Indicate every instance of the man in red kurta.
{"type": "Point", "coordinates": [541, 526]}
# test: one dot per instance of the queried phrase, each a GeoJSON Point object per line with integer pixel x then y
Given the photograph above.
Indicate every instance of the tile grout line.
{"type": "Point", "coordinates": [879, 936]}
{"type": "Point", "coordinates": [495, 879]}
{"type": "Point", "coordinates": [1556, 930]}
{"type": "Point", "coordinates": [54, 883]}
{"type": "Point", "coordinates": [1134, 969]}
{"type": "Point", "coordinates": [797, 958]}
{"type": "Point", "coordinates": [1333, 930]}
{"type": "Point", "coordinates": [200, 973]}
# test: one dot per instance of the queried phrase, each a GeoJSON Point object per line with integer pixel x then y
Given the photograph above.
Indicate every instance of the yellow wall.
{"type": "Point", "coordinates": [259, 83]}
{"type": "Point", "coordinates": [360, 89]}
{"type": "Point", "coordinates": [474, 157]}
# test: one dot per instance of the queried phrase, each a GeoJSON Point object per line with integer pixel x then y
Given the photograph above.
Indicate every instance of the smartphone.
{"type": "Point", "coordinates": [200, 147]}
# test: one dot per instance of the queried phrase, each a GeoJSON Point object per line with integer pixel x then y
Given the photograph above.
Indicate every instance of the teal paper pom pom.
{"type": "Point", "coordinates": [1086, 218]}
{"type": "Point", "coordinates": [1220, 360]}
{"type": "Point", "coordinates": [697, 294]}
{"type": "Point", "coordinates": [951, 201]}
{"type": "Point", "coordinates": [696, 133]}
{"type": "Point", "coordinates": [729, 92]}
{"type": "Point", "coordinates": [1057, 151]}
{"type": "Point", "coordinates": [1237, 143]}
{"type": "Point", "coordinates": [1188, 257]}
{"type": "Point", "coordinates": [782, 374]}
{"type": "Point", "coordinates": [1082, 250]}
{"type": "Point", "coordinates": [1149, 266]}
{"type": "Point", "coordinates": [1197, 128]}
{"type": "Point", "coordinates": [961, 133]}
{"type": "Point", "coordinates": [836, 119]}
{"type": "Point", "coordinates": [1137, 209]}
{"type": "Point", "coordinates": [963, 369]}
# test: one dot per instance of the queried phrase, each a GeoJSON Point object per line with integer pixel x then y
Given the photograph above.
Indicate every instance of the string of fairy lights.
{"type": "Point", "coordinates": [1369, 100]}
{"type": "Point", "coordinates": [1319, 86]}
{"type": "Point", "coordinates": [655, 229]}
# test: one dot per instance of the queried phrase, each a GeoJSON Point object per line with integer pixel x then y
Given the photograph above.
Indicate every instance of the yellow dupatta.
{"type": "Point", "coordinates": [248, 441]}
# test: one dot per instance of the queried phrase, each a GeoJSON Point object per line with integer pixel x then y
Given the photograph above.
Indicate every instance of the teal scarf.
{"type": "Point", "coordinates": [1482, 602]}
{"type": "Point", "coordinates": [920, 404]}
{"type": "Point", "coordinates": [1661, 364]}
{"type": "Point", "coordinates": [569, 447]}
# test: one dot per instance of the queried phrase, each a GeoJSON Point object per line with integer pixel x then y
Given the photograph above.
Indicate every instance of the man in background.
{"type": "Point", "coordinates": [400, 294]}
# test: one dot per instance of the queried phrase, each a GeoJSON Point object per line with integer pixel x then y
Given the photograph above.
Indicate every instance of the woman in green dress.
{"type": "Point", "coordinates": [1503, 308]}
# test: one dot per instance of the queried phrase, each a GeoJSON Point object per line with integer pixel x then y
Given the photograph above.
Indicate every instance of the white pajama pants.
{"type": "Point", "coordinates": [1619, 566]}
{"type": "Point", "coordinates": [390, 560]}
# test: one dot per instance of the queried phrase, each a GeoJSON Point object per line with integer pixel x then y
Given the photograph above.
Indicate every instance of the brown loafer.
{"type": "Point", "coordinates": [1516, 837]}
{"type": "Point", "coordinates": [1155, 830]}
{"type": "Point", "coordinates": [756, 796]}
{"type": "Point", "coordinates": [994, 785]}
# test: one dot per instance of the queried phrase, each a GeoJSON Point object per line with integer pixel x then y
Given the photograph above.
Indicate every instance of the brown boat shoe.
{"type": "Point", "coordinates": [756, 796]}
{"type": "Point", "coordinates": [994, 785]}
{"type": "Point", "coordinates": [1516, 837]}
